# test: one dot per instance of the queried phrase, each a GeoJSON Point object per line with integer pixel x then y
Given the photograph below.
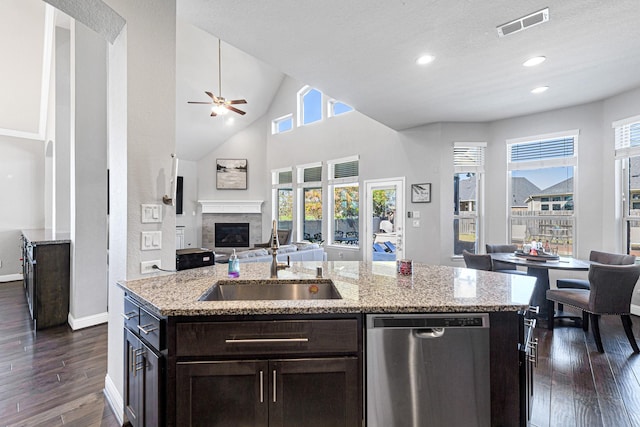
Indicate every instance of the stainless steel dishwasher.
{"type": "Point", "coordinates": [428, 370]}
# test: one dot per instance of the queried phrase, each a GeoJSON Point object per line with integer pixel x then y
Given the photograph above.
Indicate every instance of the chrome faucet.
{"type": "Point", "coordinates": [275, 244]}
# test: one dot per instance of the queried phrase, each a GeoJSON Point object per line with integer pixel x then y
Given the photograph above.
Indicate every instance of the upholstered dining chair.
{"type": "Point", "coordinates": [599, 257]}
{"type": "Point", "coordinates": [477, 261]}
{"type": "Point", "coordinates": [609, 293]}
{"type": "Point", "coordinates": [504, 267]}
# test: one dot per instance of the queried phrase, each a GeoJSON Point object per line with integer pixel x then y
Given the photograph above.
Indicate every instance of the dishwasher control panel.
{"type": "Point", "coordinates": [422, 321]}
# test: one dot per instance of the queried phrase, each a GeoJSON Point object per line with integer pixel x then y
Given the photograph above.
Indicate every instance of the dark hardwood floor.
{"type": "Point", "coordinates": [56, 377]}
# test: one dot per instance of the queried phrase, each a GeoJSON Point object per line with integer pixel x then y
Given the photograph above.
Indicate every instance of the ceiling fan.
{"type": "Point", "coordinates": [220, 104]}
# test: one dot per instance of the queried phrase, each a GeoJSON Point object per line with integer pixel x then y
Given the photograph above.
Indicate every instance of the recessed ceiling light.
{"type": "Point", "coordinates": [540, 89]}
{"type": "Point", "coordinates": [425, 59]}
{"type": "Point", "coordinates": [536, 60]}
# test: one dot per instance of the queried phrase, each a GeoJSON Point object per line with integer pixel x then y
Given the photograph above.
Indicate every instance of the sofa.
{"type": "Point", "coordinates": [300, 251]}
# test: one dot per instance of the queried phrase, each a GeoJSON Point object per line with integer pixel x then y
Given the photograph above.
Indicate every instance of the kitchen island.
{"type": "Point", "coordinates": [265, 362]}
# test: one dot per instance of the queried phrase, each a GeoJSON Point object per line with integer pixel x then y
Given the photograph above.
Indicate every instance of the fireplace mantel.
{"type": "Point", "coordinates": [231, 206]}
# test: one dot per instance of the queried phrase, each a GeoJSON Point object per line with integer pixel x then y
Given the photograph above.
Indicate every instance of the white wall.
{"type": "Point", "coordinates": [141, 126]}
{"type": "Point", "coordinates": [88, 302]}
{"type": "Point", "coordinates": [22, 187]}
{"type": "Point", "coordinates": [61, 204]}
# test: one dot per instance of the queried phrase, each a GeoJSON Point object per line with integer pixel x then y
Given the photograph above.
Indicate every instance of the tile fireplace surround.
{"type": "Point", "coordinates": [231, 211]}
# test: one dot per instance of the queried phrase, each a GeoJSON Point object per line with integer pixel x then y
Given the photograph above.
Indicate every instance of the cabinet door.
{"type": "Point", "coordinates": [152, 387]}
{"type": "Point", "coordinates": [222, 394]}
{"type": "Point", "coordinates": [133, 380]}
{"type": "Point", "coordinates": [314, 393]}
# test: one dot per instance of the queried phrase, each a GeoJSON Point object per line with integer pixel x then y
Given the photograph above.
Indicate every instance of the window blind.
{"type": "Point", "coordinates": [627, 139]}
{"type": "Point", "coordinates": [346, 169]}
{"type": "Point", "coordinates": [285, 177]}
{"type": "Point", "coordinates": [468, 157]}
{"type": "Point", "coordinates": [312, 174]}
{"type": "Point", "coordinates": [541, 150]}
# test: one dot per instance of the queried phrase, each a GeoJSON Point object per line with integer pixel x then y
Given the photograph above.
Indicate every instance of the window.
{"type": "Point", "coordinates": [310, 179]}
{"type": "Point", "coordinates": [282, 181]}
{"type": "Point", "coordinates": [282, 124]}
{"type": "Point", "coordinates": [627, 151]}
{"type": "Point", "coordinates": [309, 106]}
{"type": "Point", "coordinates": [541, 170]}
{"type": "Point", "coordinates": [344, 191]}
{"type": "Point", "coordinates": [336, 108]}
{"type": "Point", "coordinates": [468, 161]}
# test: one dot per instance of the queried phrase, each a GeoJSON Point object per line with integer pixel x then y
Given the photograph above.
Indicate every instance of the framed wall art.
{"type": "Point", "coordinates": [421, 193]}
{"type": "Point", "coordinates": [231, 174]}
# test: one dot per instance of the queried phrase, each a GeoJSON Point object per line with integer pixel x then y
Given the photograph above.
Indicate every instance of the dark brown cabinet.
{"type": "Point", "coordinates": [144, 367]}
{"type": "Point", "coordinates": [285, 372]}
{"type": "Point", "coordinates": [46, 270]}
{"type": "Point", "coordinates": [288, 392]}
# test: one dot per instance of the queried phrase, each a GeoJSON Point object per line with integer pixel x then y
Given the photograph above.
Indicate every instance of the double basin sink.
{"type": "Point", "coordinates": [253, 290]}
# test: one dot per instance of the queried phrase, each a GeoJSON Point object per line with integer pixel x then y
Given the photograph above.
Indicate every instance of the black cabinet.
{"type": "Point", "coordinates": [144, 367]}
{"type": "Point", "coordinates": [314, 392]}
{"type": "Point", "coordinates": [302, 372]}
{"type": "Point", "coordinates": [46, 269]}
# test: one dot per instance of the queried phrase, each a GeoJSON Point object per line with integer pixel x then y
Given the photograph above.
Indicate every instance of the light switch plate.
{"type": "Point", "coordinates": [151, 213]}
{"type": "Point", "coordinates": [151, 240]}
{"type": "Point", "coordinates": [416, 214]}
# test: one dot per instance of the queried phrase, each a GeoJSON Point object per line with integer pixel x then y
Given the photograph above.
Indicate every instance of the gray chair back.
{"type": "Point", "coordinates": [611, 288]}
{"type": "Point", "coordinates": [611, 259]}
{"type": "Point", "coordinates": [477, 261]}
{"type": "Point", "coordinates": [498, 265]}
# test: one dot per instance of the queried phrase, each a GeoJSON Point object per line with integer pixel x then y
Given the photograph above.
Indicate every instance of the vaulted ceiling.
{"type": "Point", "coordinates": [362, 52]}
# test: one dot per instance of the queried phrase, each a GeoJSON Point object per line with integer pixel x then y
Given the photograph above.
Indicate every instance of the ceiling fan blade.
{"type": "Point", "coordinates": [213, 114]}
{"type": "Point", "coordinates": [198, 102]}
{"type": "Point", "coordinates": [235, 110]}
{"type": "Point", "coordinates": [212, 96]}
{"type": "Point", "coordinates": [237, 101]}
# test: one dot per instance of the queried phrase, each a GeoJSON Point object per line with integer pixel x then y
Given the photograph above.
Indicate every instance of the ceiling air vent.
{"type": "Point", "coordinates": [523, 23]}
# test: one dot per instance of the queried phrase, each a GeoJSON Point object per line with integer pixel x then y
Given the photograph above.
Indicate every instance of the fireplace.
{"type": "Point", "coordinates": [231, 234]}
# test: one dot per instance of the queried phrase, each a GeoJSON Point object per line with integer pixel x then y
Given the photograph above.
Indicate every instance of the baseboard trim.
{"type": "Point", "coordinates": [10, 277]}
{"type": "Point", "coordinates": [635, 309]}
{"type": "Point", "coordinates": [88, 321]}
{"type": "Point", "coordinates": [114, 399]}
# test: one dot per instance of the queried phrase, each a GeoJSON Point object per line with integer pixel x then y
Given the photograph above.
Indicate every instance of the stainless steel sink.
{"type": "Point", "coordinates": [252, 290]}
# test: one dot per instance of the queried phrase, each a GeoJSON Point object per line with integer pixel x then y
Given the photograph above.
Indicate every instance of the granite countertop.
{"type": "Point", "coordinates": [45, 236]}
{"type": "Point", "coordinates": [364, 287]}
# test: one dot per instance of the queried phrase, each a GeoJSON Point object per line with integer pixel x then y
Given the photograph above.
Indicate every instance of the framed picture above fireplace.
{"type": "Point", "coordinates": [231, 174]}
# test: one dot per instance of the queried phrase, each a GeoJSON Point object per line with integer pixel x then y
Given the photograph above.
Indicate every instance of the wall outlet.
{"type": "Point", "coordinates": [146, 267]}
{"type": "Point", "coordinates": [416, 223]}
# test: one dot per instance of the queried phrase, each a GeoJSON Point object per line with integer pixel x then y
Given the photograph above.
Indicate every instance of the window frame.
{"type": "Point", "coordinates": [301, 94]}
{"type": "Point", "coordinates": [299, 202]}
{"type": "Point", "coordinates": [331, 108]}
{"type": "Point", "coordinates": [276, 122]}
{"type": "Point", "coordinates": [546, 163]}
{"type": "Point", "coordinates": [276, 186]}
{"type": "Point", "coordinates": [624, 151]}
{"type": "Point", "coordinates": [332, 184]}
{"type": "Point", "coordinates": [469, 157]}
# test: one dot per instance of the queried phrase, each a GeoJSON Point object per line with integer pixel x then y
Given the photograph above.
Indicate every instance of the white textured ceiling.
{"type": "Point", "coordinates": [362, 52]}
{"type": "Point", "coordinates": [243, 77]}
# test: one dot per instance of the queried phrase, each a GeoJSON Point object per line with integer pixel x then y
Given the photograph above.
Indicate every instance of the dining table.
{"type": "Point", "coordinates": [539, 268]}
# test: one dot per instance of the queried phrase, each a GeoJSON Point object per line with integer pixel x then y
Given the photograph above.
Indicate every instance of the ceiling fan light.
{"type": "Point", "coordinates": [219, 110]}
{"type": "Point", "coordinates": [536, 60]}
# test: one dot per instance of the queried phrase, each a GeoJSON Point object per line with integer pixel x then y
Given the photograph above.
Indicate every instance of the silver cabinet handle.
{"type": "Point", "coordinates": [534, 309]}
{"type": "Point", "coordinates": [274, 386]}
{"type": "Point", "coordinates": [130, 315]}
{"type": "Point", "coordinates": [263, 340]}
{"type": "Point", "coordinates": [146, 331]}
{"type": "Point", "coordinates": [261, 387]}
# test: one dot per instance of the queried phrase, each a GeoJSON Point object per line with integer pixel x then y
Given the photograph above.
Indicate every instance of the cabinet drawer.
{"type": "Point", "coordinates": [131, 314]}
{"type": "Point", "coordinates": [150, 330]}
{"type": "Point", "coordinates": [281, 337]}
